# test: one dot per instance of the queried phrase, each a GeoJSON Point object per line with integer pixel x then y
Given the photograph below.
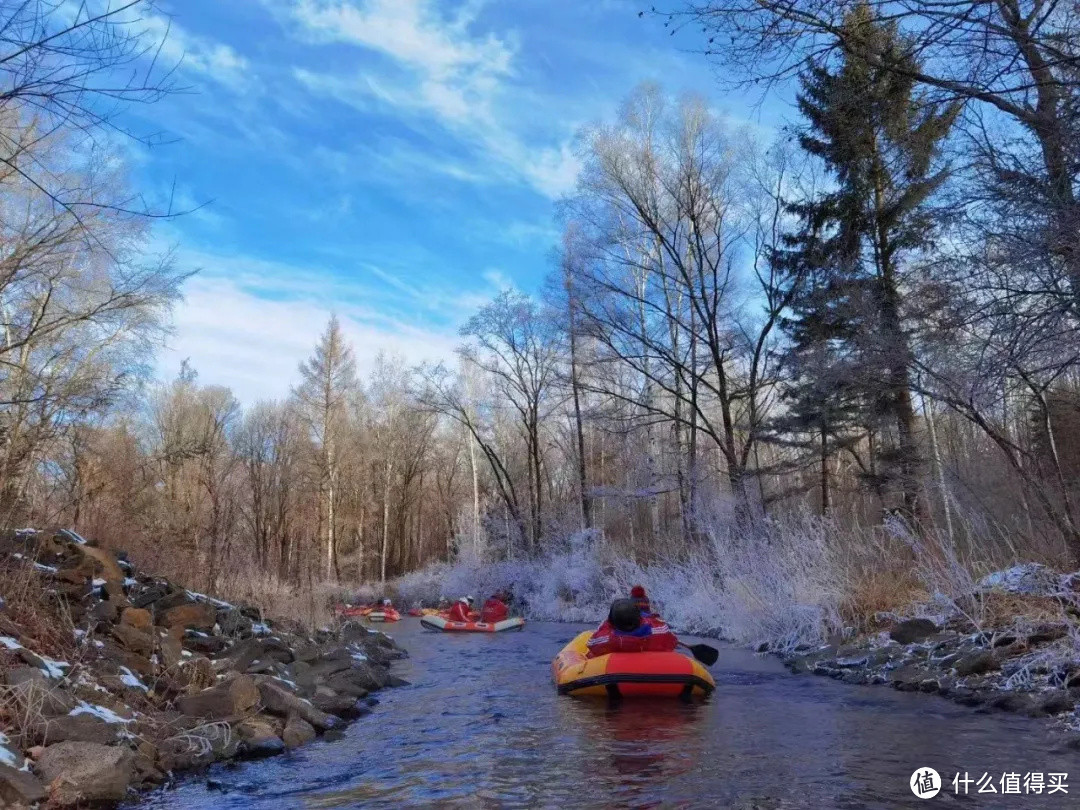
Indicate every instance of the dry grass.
{"type": "Point", "coordinates": [33, 610]}
{"type": "Point", "coordinates": [889, 589]}
{"type": "Point", "coordinates": [1001, 609]}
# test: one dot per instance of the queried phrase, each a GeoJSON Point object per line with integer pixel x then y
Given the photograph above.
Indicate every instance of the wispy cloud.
{"type": "Point", "coordinates": [436, 66]}
{"type": "Point", "coordinates": [215, 61]}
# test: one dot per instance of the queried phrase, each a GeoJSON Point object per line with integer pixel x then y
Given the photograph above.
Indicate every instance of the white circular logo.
{"type": "Point", "coordinates": [925, 783]}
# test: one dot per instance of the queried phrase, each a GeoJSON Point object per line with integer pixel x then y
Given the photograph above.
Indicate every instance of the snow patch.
{"type": "Point", "coordinates": [260, 629]}
{"type": "Point", "coordinates": [108, 715]}
{"type": "Point", "coordinates": [7, 756]}
{"type": "Point", "coordinates": [73, 536]}
{"type": "Point", "coordinates": [10, 643]}
{"type": "Point", "coordinates": [202, 597]}
{"type": "Point", "coordinates": [53, 668]}
{"type": "Point", "coordinates": [129, 678]}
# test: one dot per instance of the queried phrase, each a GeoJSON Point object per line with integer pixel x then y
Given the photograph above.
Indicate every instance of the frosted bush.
{"type": "Point", "coordinates": [781, 584]}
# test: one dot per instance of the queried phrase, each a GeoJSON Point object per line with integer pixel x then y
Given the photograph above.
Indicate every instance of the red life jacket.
{"type": "Point", "coordinates": [652, 636]}
{"type": "Point", "coordinates": [494, 610]}
{"type": "Point", "coordinates": [460, 613]}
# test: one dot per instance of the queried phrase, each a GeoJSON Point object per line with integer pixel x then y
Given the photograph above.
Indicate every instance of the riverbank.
{"type": "Point", "coordinates": [116, 680]}
{"type": "Point", "coordinates": [1015, 648]}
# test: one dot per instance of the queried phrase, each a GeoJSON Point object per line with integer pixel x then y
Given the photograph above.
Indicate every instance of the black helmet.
{"type": "Point", "coordinates": [625, 615]}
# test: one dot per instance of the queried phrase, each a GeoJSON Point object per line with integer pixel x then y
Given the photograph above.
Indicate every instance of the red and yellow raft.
{"type": "Point", "coordinates": [643, 674]}
{"type": "Point", "coordinates": [444, 624]}
{"type": "Point", "coordinates": [353, 611]}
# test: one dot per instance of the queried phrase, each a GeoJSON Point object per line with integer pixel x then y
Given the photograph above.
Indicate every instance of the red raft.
{"type": "Point", "coordinates": [445, 625]}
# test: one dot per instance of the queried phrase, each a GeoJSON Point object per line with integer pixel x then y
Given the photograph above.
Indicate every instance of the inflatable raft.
{"type": "Point", "coordinates": [389, 615]}
{"type": "Point", "coordinates": [643, 674]}
{"type": "Point", "coordinates": [423, 612]}
{"type": "Point", "coordinates": [353, 611]}
{"type": "Point", "coordinates": [447, 626]}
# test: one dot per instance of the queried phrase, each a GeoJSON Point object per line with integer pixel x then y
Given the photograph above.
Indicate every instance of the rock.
{"type": "Point", "coordinates": [283, 703]}
{"type": "Point", "coordinates": [198, 747]}
{"type": "Point", "coordinates": [105, 612]}
{"type": "Point", "coordinates": [172, 653]}
{"type": "Point", "coordinates": [104, 563]}
{"type": "Point", "coordinates": [908, 678]}
{"type": "Point", "coordinates": [234, 623]}
{"type": "Point", "coordinates": [1046, 633]}
{"type": "Point", "coordinates": [85, 772]}
{"type": "Point", "coordinates": [194, 615]}
{"type": "Point", "coordinates": [78, 728]}
{"type": "Point", "coordinates": [854, 662]}
{"type": "Point", "coordinates": [393, 681]}
{"type": "Point", "coordinates": [19, 788]}
{"type": "Point", "coordinates": [170, 597]}
{"type": "Point", "coordinates": [297, 732]}
{"type": "Point", "coordinates": [1056, 702]}
{"type": "Point", "coordinates": [204, 644]}
{"type": "Point", "coordinates": [33, 691]}
{"type": "Point", "coordinates": [912, 630]}
{"type": "Point", "coordinates": [967, 697]}
{"type": "Point", "coordinates": [134, 639]}
{"type": "Point", "coordinates": [228, 699]}
{"type": "Point", "coordinates": [1013, 702]}
{"type": "Point", "coordinates": [326, 700]}
{"type": "Point", "coordinates": [259, 738]}
{"type": "Point", "coordinates": [976, 664]}
{"type": "Point", "coordinates": [136, 617]}
{"type": "Point", "coordinates": [149, 595]}
{"type": "Point", "coordinates": [139, 664]}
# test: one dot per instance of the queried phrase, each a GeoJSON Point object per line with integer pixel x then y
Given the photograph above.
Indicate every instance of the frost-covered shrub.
{"type": "Point", "coordinates": [779, 584]}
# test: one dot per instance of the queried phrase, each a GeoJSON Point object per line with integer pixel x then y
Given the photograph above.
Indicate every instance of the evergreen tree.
{"type": "Point", "coordinates": [851, 352]}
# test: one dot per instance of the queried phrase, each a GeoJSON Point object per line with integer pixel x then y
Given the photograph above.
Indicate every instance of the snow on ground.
{"type": "Point", "coordinates": [53, 668]}
{"type": "Point", "coordinates": [201, 597]}
{"type": "Point", "coordinates": [129, 678]}
{"type": "Point", "coordinates": [108, 715]}
{"type": "Point", "coordinates": [10, 643]}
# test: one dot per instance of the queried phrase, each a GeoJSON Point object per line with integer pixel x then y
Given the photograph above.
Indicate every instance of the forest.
{"type": "Point", "coordinates": [837, 369]}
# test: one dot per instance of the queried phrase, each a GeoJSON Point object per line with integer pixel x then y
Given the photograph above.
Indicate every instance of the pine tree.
{"type": "Point", "coordinates": [851, 350]}
{"type": "Point", "coordinates": [328, 377]}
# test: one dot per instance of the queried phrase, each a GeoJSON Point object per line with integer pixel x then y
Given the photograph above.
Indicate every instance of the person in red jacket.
{"type": "Point", "coordinates": [627, 631]}
{"type": "Point", "coordinates": [494, 609]}
{"type": "Point", "coordinates": [460, 611]}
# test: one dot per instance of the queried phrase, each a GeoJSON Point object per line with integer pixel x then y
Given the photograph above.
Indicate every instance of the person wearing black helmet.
{"type": "Point", "coordinates": [627, 631]}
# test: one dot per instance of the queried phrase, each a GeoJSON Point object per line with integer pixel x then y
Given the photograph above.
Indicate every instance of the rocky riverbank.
{"type": "Point", "coordinates": [120, 679]}
{"type": "Point", "coordinates": [1015, 648]}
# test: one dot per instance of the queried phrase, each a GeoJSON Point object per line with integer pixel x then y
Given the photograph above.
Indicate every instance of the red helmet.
{"type": "Point", "coordinates": [638, 592]}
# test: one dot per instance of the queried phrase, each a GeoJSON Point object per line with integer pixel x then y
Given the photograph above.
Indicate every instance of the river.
{"type": "Point", "coordinates": [481, 726]}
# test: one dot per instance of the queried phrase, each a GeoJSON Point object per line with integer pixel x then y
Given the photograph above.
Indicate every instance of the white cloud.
{"type": "Point", "coordinates": [456, 73]}
{"type": "Point", "coordinates": [214, 60]}
{"type": "Point", "coordinates": [238, 337]}
{"type": "Point", "coordinates": [438, 68]}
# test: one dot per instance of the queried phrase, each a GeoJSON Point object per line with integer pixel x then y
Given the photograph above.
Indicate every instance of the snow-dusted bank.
{"type": "Point", "coordinates": [1009, 640]}
{"type": "Point", "coordinates": [154, 679]}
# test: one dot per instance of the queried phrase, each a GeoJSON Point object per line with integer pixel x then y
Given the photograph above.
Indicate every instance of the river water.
{"type": "Point", "coordinates": [481, 726]}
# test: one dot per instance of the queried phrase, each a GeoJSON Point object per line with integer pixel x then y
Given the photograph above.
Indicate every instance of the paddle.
{"type": "Point", "coordinates": [703, 653]}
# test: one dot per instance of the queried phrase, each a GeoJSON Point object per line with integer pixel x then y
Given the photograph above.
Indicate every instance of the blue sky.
{"type": "Point", "coordinates": [395, 161]}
